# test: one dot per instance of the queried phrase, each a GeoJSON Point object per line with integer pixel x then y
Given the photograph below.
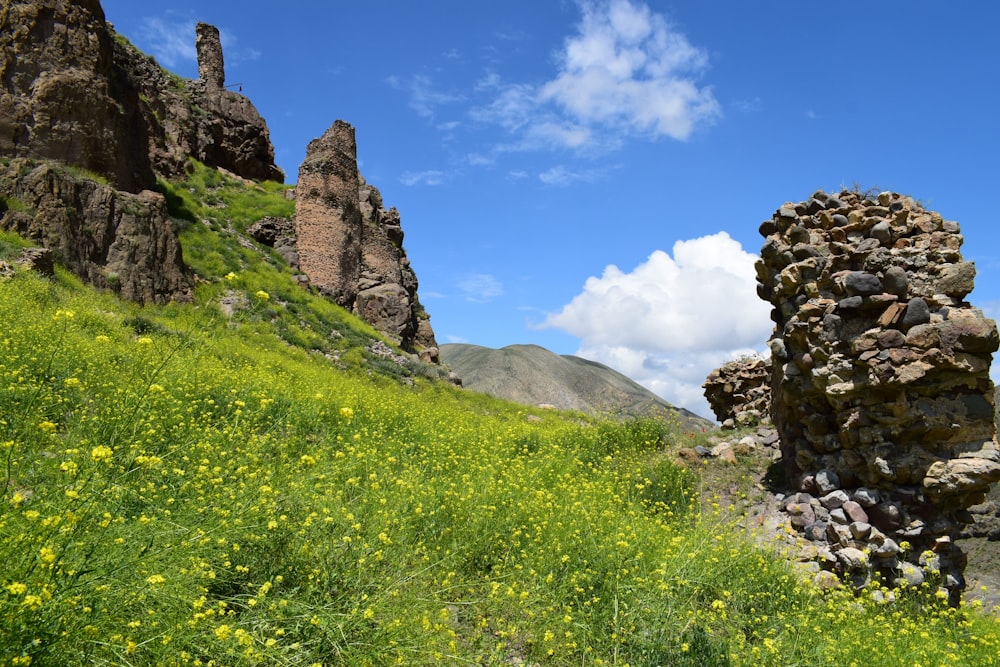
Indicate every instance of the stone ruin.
{"type": "Point", "coordinates": [351, 247]}
{"type": "Point", "coordinates": [739, 392]}
{"type": "Point", "coordinates": [880, 390]}
{"type": "Point", "coordinates": [211, 67]}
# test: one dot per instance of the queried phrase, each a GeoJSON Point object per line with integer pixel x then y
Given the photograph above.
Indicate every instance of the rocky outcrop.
{"type": "Point", "coordinates": [199, 119]}
{"type": "Point", "coordinates": [114, 240]}
{"type": "Point", "coordinates": [64, 96]}
{"type": "Point", "coordinates": [277, 233]}
{"type": "Point", "coordinates": [351, 247]}
{"type": "Point", "coordinates": [881, 390]}
{"type": "Point", "coordinates": [739, 392]}
{"type": "Point", "coordinates": [74, 91]}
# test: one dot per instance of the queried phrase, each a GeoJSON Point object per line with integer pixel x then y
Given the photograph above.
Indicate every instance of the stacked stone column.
{"type": "Point", "coordinates": [880, 390]}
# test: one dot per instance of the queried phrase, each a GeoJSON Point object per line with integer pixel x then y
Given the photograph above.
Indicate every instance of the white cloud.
{"type": "Point", "coordinates": [170, 41]}
{"type": "Point", "coordinates": [625, 72]}
{"type": "Point", "coordinates": [427, 177]}
{"type": "Point", "coordinates": [480, 287]}
{"type": "Point", "coordinates": [671, 320]}
{"type": "Point", "coordinates": [479, 160]}
{"type": "Point", "coordinates": [561, 175]}
{"type": "Point", "coordinates": [627, 68]}
{"type": "Point", "coordinates": [424, 98]}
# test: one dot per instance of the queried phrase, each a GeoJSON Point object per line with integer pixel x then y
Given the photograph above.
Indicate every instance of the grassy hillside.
{"type": "Point", "coordinates": [182, 487]}
{"type": "Point", "coordinates": [533, 375]}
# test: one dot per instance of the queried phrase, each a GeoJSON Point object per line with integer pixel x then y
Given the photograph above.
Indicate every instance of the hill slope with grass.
{"type": "Point", "coordinates": [535, 376]}
{"type": "Point", "coordinates": [256, 478]}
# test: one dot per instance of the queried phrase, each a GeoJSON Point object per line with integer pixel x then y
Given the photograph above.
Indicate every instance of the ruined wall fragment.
{"type": "Point", "coordinates": [739, 392]}
{"type": "Point", "coordinates": [881, 386]}
{"type": "Point", "coordinates": [351, 247]}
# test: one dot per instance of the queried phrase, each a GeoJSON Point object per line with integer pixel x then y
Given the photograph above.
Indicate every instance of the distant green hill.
{"type": "Point", "coordinates": [532, 375]}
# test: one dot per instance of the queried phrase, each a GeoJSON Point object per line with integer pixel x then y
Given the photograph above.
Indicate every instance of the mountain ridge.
{"type": "Point", "coordinates": [533, 375]}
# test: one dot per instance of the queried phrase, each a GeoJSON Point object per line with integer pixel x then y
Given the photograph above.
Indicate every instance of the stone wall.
{"type": "Point", "coordinates": [881, 387]}
{"type": "Point", "coordinates": [739, 392]}
{"type": "Point", "coordinates": [211, 67]}
{"type": "Point", "coordinates": [351, 247]}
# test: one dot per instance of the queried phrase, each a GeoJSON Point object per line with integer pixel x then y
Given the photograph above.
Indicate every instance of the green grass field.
{"type": "Point", "coordinates": [186, 488]}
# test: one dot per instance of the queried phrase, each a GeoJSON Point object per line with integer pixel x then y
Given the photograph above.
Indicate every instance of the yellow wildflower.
{"type": "Point", "coordinates": [101, 453]}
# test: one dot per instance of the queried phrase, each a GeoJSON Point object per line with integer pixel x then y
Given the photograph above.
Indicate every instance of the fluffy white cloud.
{"type": "Point", "coordinates": [628, 68]}
{"type": "Point", "coordinates": [625, 71]}
{"type": "Point", "coordinates": [671, 320]}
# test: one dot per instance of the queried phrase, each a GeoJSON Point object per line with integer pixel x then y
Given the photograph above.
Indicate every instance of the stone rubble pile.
{"type": "Point", "coordinates": [762, 440]}
{"type": "Point", "coordinates": [880, 390]}
{"type": "Point", "coordinates": [739, 392]}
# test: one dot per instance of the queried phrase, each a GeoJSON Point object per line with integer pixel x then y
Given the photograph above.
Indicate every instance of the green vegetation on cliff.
{"type": "Point", "coordinates": [183, 487]}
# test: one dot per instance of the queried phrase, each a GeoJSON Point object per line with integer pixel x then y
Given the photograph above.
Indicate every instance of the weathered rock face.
{"type": "Point", "coordinates": [881, 384]}
{"type": "Point", "coordinates": [72, 91]}
{"type": "Point", "coordinates": [277, 233]}
{"type": "Point", "coordinates": [64, 97]}
{"type": "Point", "coordinates": [328, 221]}
{"type": "Point", "coordinates": [75, 92]}
{"type": "Point", "coordinates": [351, 247]}
{"type": "Point", "coordinates": [199, 119]}
{"type": "Point", "coordinates": [739, 392]}
{"type": "Point", "coordinates": [112, 239]}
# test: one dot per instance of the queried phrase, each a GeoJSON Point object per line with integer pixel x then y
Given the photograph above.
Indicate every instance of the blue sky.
{"type": "Point", "coordinates": [590, 175]}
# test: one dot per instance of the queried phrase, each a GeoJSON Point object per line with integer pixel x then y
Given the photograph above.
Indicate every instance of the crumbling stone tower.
{"type": "Point", "coordinates": [351, 247]}
{"type": "Point", "coordinates": [881, 390]}
{"type": "Point", "coordinates": [211, 68]}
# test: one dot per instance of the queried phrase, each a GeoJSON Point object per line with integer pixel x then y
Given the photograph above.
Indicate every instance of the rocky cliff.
{"type": "Point", "coordinates": [112, 239]}
{"type": "Point", "coordinates": [351, 247]}
{"type": "Point", "coordinates": [880, 389]}
{"type": "Point", "coordinates": [198, 119]}
{"type": "Point", "coordinates": [63, 94]}
{"type": "Point", "coordinates": [73, 92]}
